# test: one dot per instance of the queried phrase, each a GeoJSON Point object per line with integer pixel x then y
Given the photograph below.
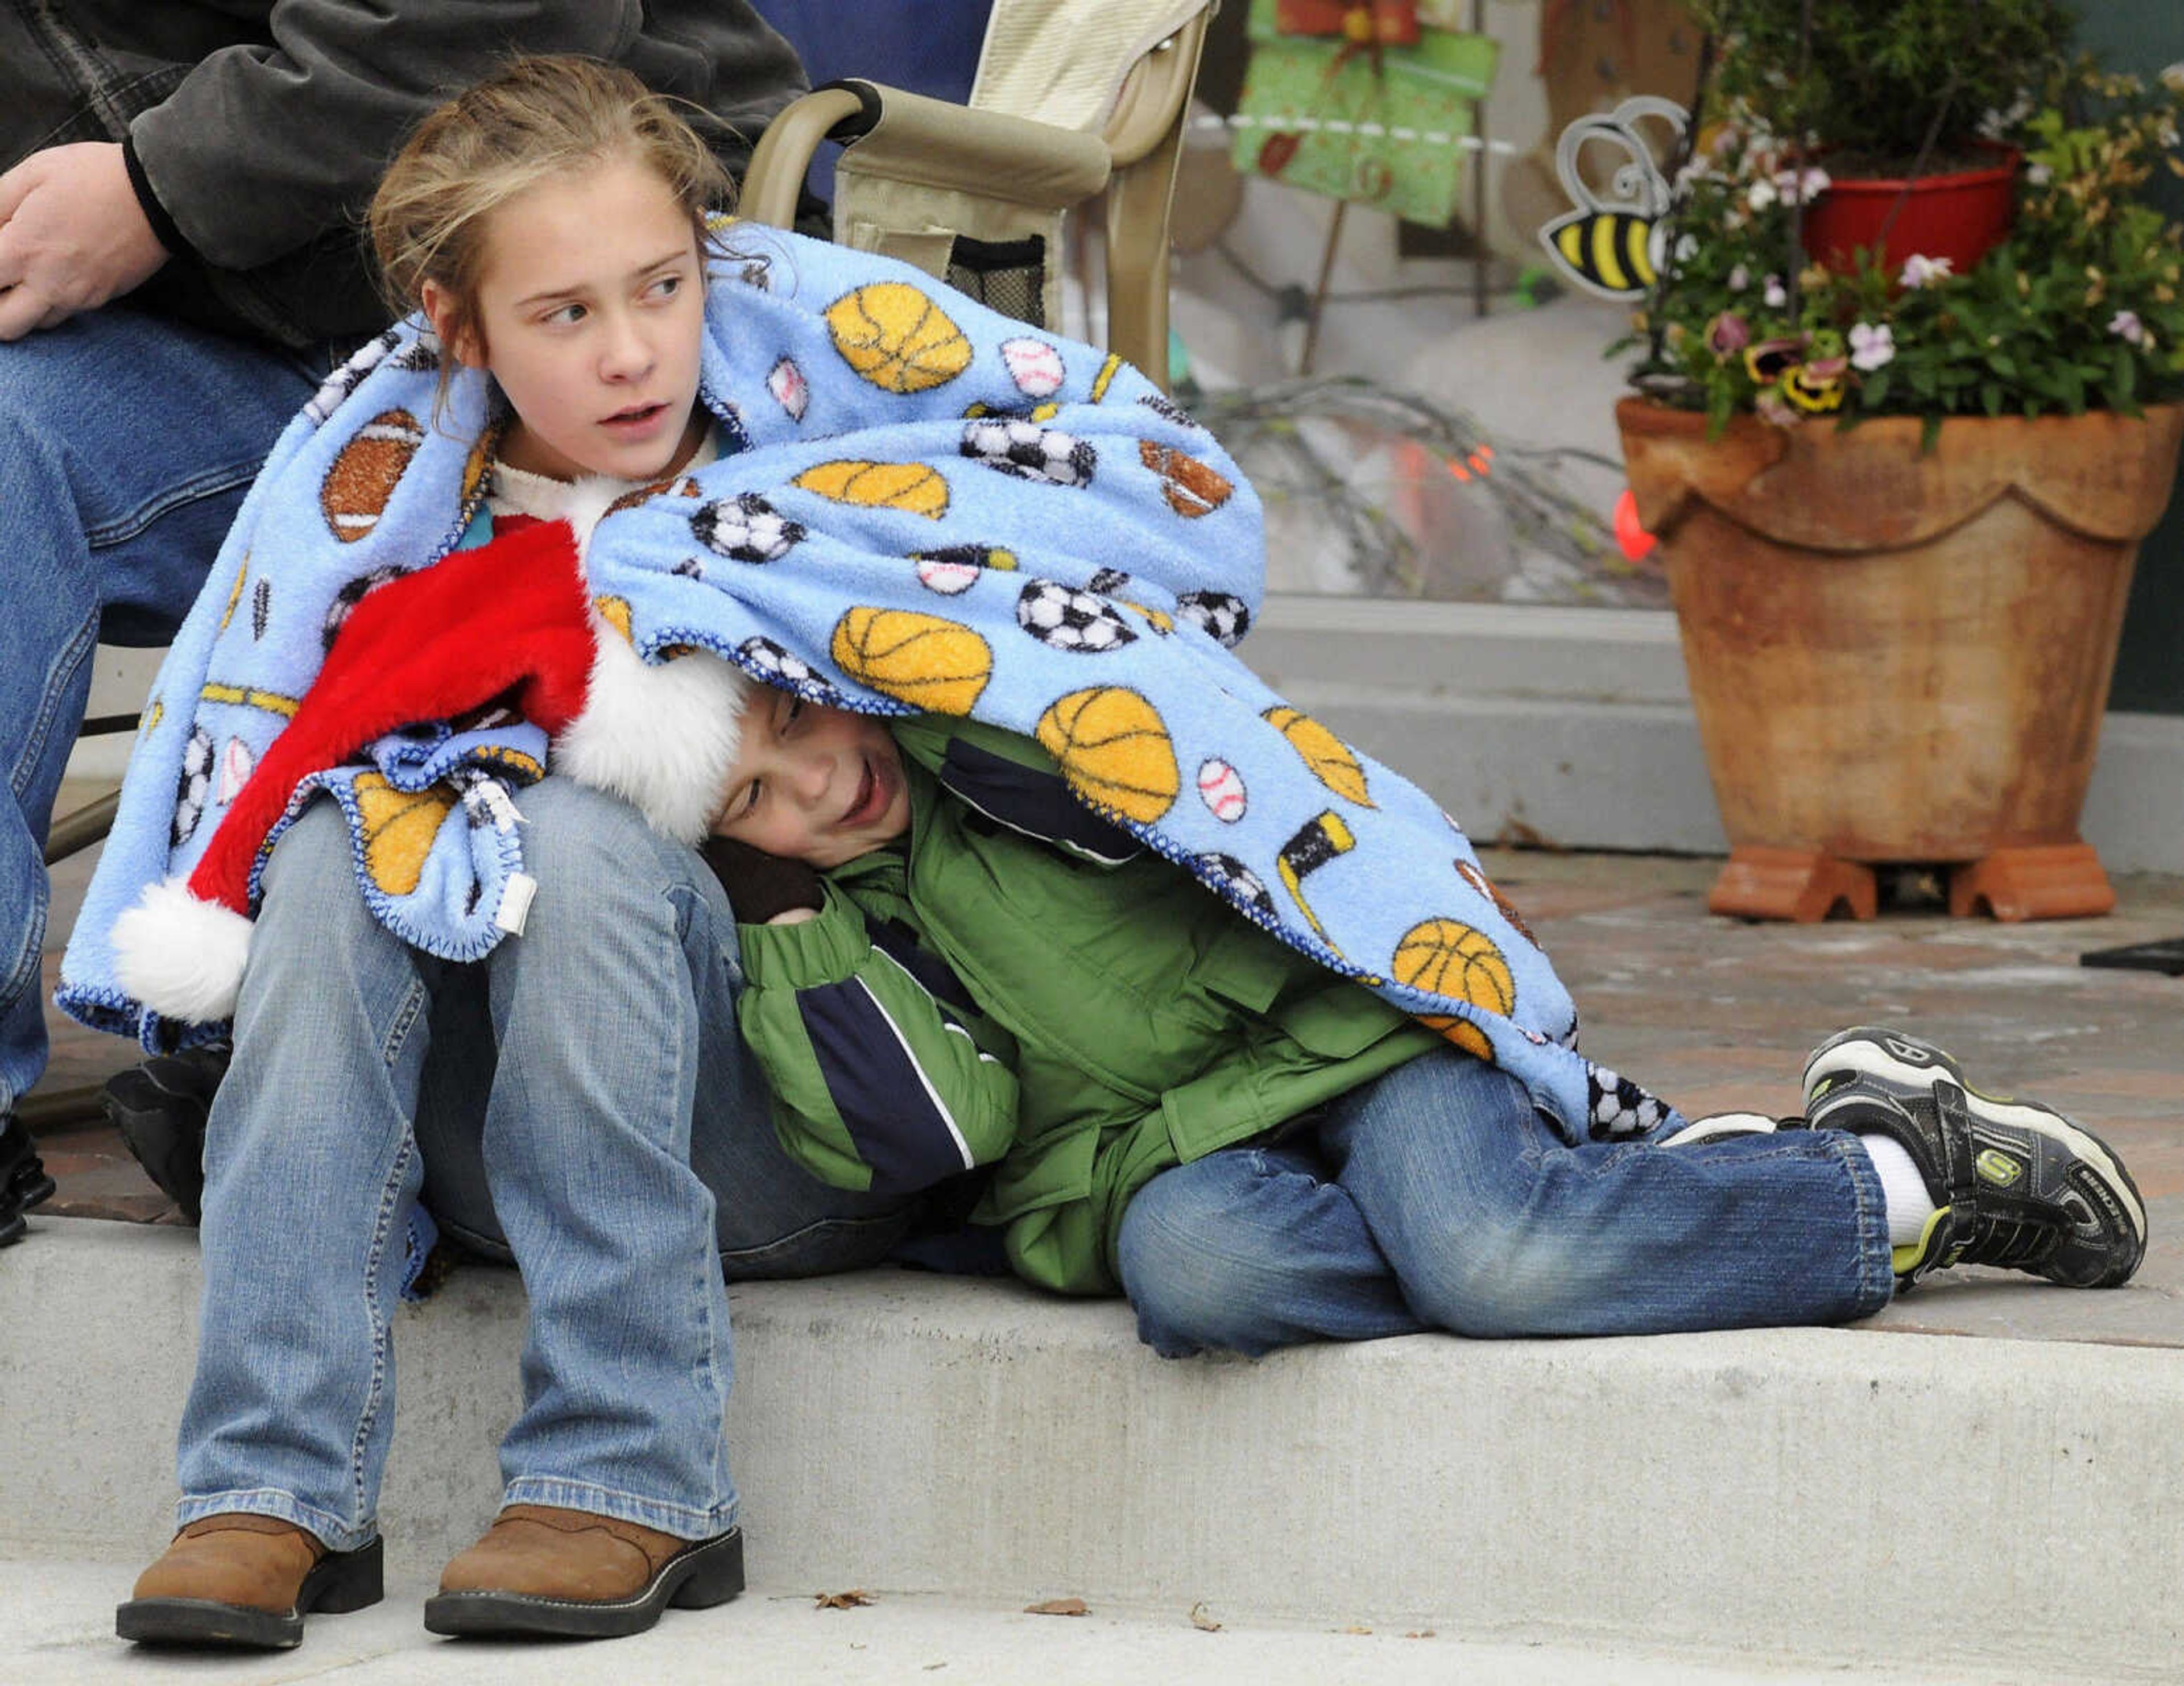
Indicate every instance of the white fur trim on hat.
{"type": "Point", "coordinates": [180, 956]}
{"type": "Point", "coordinates": [584, 503]}
{"type": "Point", "coordinates": [661, 736]}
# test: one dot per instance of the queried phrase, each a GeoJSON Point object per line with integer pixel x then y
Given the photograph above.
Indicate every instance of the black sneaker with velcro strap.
{"type": "Point", "coordinates": [2015, 1184]}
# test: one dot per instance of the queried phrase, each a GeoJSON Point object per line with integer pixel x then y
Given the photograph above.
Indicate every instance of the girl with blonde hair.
{"type": "Point", "coordinates": [574, 1100]}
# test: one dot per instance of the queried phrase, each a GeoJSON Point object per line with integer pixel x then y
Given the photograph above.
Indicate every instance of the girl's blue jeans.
{"type": "Point", "coordinates": [1435, 1198]}
{"type": "Point", "coordinates": [579, 1100]}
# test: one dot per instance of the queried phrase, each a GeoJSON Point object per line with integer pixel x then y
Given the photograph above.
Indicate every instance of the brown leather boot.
{"type": "Point", "coordinates": [543, 1571]}
{"type": "Point", "coordinates": [247, 1581]}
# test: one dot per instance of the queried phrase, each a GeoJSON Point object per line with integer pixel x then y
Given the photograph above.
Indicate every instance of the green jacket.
{"type": "Point", "coordinates": [1021, 986]}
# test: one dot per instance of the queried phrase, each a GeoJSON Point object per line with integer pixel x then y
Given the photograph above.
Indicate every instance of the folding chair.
{"type": "Point", "coordinates": [1072, 98]}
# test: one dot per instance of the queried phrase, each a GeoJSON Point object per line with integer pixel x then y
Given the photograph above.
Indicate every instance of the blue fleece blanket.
{"type": "Point", "coordinates": [920, 505]}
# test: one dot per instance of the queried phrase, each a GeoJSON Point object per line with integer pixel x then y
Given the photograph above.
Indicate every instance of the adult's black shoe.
{"type": "Point", "coordinates": [160, 1108]}
{"type": "Point", "coordinates": [23, 1180]}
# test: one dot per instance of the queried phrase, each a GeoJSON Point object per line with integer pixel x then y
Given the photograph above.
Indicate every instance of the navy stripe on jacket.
{"type": "Point", "coordinates": [1034, 802]}
{"type": "Point", "coordinates": [896, 939]}
{"type": "Point", "coordinates": [901, 1127]}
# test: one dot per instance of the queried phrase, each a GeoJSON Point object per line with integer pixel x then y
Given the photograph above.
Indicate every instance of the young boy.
{"type": "Point", "coordinates": [981, 973]}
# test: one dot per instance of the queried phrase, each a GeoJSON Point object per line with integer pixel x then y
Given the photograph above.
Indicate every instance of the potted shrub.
{"type": "Point", "coordinates": [1899, 103]}
{"type": "Point", "coordinates": [1899, 498]}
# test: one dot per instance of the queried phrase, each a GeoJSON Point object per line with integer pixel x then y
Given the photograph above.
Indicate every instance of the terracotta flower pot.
{"type": "Point", "coordinates": [1898, 657]}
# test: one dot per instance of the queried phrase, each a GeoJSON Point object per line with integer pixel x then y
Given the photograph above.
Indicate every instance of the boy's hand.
{"type": "Point", "coordinates": [761, 886]}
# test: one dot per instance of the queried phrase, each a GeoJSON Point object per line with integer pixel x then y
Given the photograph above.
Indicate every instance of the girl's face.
{"type": "Point", "coordinates": [591, 306]}
{"type": "Point", "coordinates": [812, 783]}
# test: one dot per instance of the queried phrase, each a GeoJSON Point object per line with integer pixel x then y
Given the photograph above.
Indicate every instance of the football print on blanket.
{"type": "Point", "coordinates": [361, 481]}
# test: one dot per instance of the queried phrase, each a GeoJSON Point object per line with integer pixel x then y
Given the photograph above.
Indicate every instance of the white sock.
{"type": "Point", "coordinates": [1909, 1207]}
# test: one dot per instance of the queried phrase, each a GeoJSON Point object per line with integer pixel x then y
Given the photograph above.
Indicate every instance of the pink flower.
{"type": "Point", "coordinates": [1872, 346]}
{"type": "Point", "coordinates": [2126, 326]}
{"type": "Point", "coordinates": [1773, 407]}
{"type": "Point", "coordinates": [1807, 185]}
{"type": "Point", "coordinates": [1739, 279]}
{"type": "Point", "coordinates": [1921, 271]}
{"type": "Point", "coordinates": [1727, 334]}
{"type": "Point", "coordinates": [1775, 293]}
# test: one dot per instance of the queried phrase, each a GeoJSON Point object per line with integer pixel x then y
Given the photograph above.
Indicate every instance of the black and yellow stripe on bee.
{"type": "Point", "coordinates": [1611, 249]}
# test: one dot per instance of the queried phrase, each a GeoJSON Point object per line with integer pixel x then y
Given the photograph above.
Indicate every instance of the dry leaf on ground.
{"type": "Point", "coordinates": [1202, 1621]}
{"type": "Point", "coordinates": [1057, 1607]}
{"type": "Point", "coordinates": [841, 1600]}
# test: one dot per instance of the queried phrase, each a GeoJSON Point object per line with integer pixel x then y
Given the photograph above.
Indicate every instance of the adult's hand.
{"type": "Point", "coordinates": [72, 236]}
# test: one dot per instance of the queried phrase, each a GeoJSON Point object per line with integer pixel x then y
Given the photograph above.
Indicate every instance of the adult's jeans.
{"type": "Point", "coordinates": [619, 1147]}
{"type": "Point", "coordinates": [1435, 1197]}
{"type": "Point", "coordinates": [126, 443]}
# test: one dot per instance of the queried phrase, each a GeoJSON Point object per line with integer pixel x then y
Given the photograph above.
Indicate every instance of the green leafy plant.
{"type": "Point", "coordinates": [2082, 306]}
{"type": "Point", "coordinates": [1878, 82]}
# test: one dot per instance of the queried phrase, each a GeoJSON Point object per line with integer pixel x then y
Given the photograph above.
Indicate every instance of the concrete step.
{"type": "Point", "coordinates": [60, 1618]}
{"type": "Point", "coordinates": [1812, 1497]}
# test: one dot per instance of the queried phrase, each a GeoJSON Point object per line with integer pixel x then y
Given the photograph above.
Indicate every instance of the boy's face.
{"type": "Point", "coordinates": [590, 311]}
{"type": "Point", "coordinates": [812, 783]}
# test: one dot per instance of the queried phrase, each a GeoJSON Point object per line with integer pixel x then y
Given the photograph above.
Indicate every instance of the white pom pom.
{"type": "Point", "coordinates": [180, 956]}
{"type": "Point", "coordinates": [661, 736]}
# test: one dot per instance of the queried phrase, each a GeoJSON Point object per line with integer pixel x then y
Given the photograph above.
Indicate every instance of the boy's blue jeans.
{"type": "Point", "coordinates": [581, 1095]}
{"type": "Point", "coordinates": [126, 443]}
{"type": "Point", "coordinates": [1435, 1198]}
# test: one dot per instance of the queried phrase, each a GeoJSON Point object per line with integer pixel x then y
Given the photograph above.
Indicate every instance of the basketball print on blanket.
{"type": "Point", "coordinates": [896, 337]}
{"type": "Point", "coordinates": [1448, 957]}
{"type": "Point", "coordinates": [932, 664]}
{"type": "Point", "coordinates": [1331, 760]}
{"type": "Point", "coordinates": [1115, 750]}
{"type": "Point", "coordinates": [914, 487]}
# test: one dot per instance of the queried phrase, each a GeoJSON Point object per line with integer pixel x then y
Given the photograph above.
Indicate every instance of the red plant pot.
{"type": "Point", "coordinates": [1958, 216]}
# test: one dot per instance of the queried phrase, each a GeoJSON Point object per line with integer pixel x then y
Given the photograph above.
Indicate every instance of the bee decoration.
{"type": "Point", "coordinates": [1614, 247]}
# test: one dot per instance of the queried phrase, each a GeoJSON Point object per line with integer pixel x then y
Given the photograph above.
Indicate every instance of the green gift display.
{"type": "Point", "coordinates": [1377, 128]}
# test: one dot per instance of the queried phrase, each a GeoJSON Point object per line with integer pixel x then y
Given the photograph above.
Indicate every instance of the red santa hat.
{"type": "Point", "coordinates": [508, 619]}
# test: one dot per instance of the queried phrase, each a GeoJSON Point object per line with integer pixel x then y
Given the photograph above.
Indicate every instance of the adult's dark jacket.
{"type": "Point", "coordinates": [256, 130]}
